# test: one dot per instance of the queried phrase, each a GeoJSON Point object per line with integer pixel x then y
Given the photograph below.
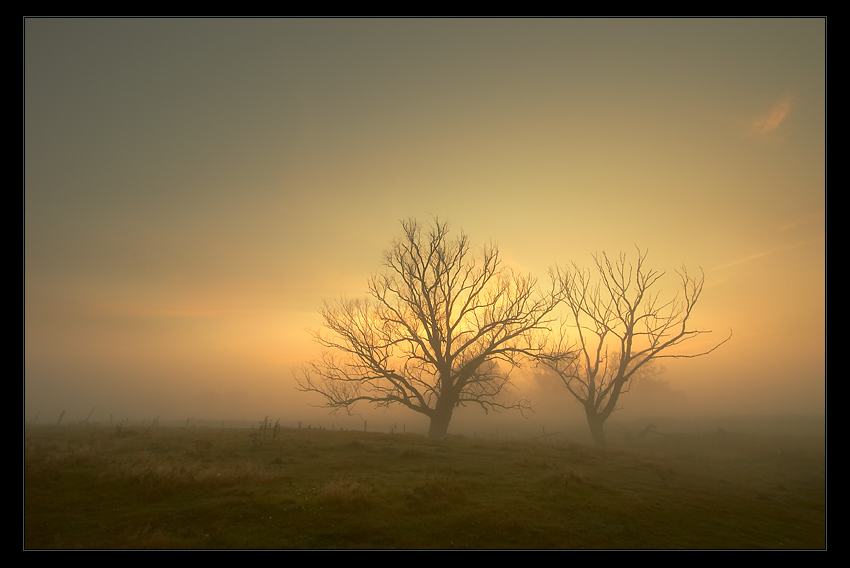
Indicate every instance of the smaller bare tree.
{"type": "Point", "coordinates": [438, 323]}
{"type": "Point", "coordinates": [622, 326]}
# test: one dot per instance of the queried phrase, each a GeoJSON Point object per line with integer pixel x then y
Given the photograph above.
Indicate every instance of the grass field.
{"type": "Point", "coordinates": [103, 488]}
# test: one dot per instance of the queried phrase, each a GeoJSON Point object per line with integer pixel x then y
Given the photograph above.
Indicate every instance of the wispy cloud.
{"type": "Point", "coordinates": [770, 252]}
{"type": "Point", "coordinates": [799, 221]}
{"type": "Point", "coordinates": [770, 121]}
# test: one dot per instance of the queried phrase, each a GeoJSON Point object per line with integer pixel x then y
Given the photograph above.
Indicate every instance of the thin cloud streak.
{"type": "Point", "coordinates": [805, 219]}
{"type": "Point", "coordinates": [769, 252]}
{"type": "Point", "coordinates": [775, 116]}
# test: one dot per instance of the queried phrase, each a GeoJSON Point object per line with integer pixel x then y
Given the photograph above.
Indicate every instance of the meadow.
{"type": "Point", "coordinates": [265, 487]}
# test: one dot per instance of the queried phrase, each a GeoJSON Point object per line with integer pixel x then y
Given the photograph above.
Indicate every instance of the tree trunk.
{"type": "Point", "coordinates": [440, 421]}
{"type": "Point", "coordinates": [596, 423]}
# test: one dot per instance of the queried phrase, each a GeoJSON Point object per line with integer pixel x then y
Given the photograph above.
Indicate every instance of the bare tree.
{"type": "Point", "coordinates": [622, 327]}
{"type": "Point", "coordinates": [437, 328]}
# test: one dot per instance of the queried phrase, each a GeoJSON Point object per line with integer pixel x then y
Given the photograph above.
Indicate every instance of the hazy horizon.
{"type": "Point", "coordinates": [196, 188]}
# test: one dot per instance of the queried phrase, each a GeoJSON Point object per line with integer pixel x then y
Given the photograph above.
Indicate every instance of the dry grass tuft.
{"type": "Point", "coordinates": [575, 476]}
{"type": "Point", "coordinates": [146, 538]}
{"type": "Point", "coordinates": [51, 460]}
{"type": "Point", "coordinates": [344, 493]}
{"type": "Point", "coordinates": [413, 452]}
{"type": "Point", "coordinates": [154, 475]}
{"type": "Point", "coordinates": [435, 490]}
{"type": "Point", "coordinates": [361, 444]}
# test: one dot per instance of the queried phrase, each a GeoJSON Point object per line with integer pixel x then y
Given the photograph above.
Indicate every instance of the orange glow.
{"type": "Point", "coordinates": [189, 207]}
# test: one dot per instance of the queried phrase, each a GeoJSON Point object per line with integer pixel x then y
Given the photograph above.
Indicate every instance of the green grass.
{"type": "Point", "coordinates": [90, 487]}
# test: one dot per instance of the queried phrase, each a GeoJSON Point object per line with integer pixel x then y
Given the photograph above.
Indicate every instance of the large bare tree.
{"type": "Point", "coordinates": [621, 326]}
{"type": "Point", "coordinates": [441, 327]}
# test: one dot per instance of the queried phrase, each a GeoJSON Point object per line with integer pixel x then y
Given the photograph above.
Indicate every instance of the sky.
{"type": "Point", "coordinates": [194, 189]}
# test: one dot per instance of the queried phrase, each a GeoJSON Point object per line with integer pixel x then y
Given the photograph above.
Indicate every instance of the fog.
{"type": "Point", "coordinates": [195, 189]}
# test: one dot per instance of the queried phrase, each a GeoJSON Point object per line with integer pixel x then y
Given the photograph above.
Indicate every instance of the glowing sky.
{"type": "Point", "coordinates": [194, 189]}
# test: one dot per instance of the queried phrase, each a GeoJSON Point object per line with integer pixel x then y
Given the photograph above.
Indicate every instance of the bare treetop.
{"type": "Point", "coordinates": [621, 325]}
{"type": "Point", "coordinates": [431, 335]}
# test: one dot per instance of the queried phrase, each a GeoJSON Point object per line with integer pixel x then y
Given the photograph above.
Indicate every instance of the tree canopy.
{"type": "Point", "coordinates": [621, 325]}
{"type": "Point", "coordinates": [441, 327]}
